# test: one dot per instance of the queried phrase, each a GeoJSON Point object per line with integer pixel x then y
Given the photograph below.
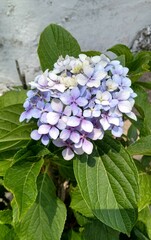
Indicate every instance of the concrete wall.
{"type": "Point", "coordinates": [96, 24]}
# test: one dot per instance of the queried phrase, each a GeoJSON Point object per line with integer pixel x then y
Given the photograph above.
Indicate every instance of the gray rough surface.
{"type": "Point", "coordinates": [96, 24]}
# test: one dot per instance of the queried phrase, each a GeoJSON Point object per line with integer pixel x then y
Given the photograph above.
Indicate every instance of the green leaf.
{"type": "Point", "coordinates": [143, 226]}
{"type": "Point", "coordinates": [145, 84]}
{"type": "Point", "coordinates": [10, 98]}
{"type": "Point", "coordinates": [32, 152]}
{"type": "Point", "coordinates": [141, 147]}
{"type": "Point", "coordinates": [92, 53]}
{"type": "Point", "coordinates": [13, 134]}
{"type": "Point", "coordinates": [7, 233]}
{"type": "Point", "coordinates": [72, 235]}
{"type": "Point", "coordinates": [20, 179]}
{"type": "Point", "coordinates": [145, 190]}
{"type": "Point", "coordinates": [16, 138]}
{"type": "Point", "coordinates": [143, 106]}
{"type": "Point", "coordinates": [78, 204]}
{"type": "Point", "coordinates": [121, 49]}
{"type": "Point", "coordinates": [108, 181]}
{"type": "Point", "coordinates": [10, 110]}
{"type": "Point", "coordinates": [121, 58]}
{"type": "Point", "coordinates": [81, 220]}
{"type": "Point", "coordinates": [97, 230]}
{"type": "Point", "coordinates": [6, 159]}
{"type": "Point", "coordinates": [139, 65]}
{"type": "Point", "coordinates": [132, 134]}
{"type": "Point", "coordinates": [65, 168]}
{"type": "Point", "coordinates": [54, 42]}
{"type": "Point", "coordinates": [46, 218]}
{"type": "Point", "coordinates": [6, 216]}
{"type": "Point", "coordinates": [146, 163]}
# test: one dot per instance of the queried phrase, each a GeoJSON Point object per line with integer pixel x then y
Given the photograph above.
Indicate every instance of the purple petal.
{"type": "Point", "coordinates": [43, 118]}
{"type": "Point", "coordinates": [126, 82]}
{"type": "Point", "coordinates": [36, 113]}
{"type": "Point", "coordinates": [78, 151]}
{"type": "Point", "coordinates": [67, 153]}
{"type": "Point", "coordinates": [73, 121]}
{"type": "Point", "coordinates": [35, 135]}
{"type": "Point", "coordinates": [40, 104]}
{"type": "Point", "coordinates": [87, 126]}
{"type": "Point", "coordinates": [79, 144]}
{"type": "Point", "coordinates": [54, 133]}
{"type": "Point", "coordinates": [87, 146]}
{"type": "Point", "coordinates": [45, 140]}
{"type": "Point", "coordinates": [22, 117]}
{"type": "Point", "coordinates": [61, 124]}
{"type": "Point", "coordinates": [65, 134]}
{"type": "Point", "coordinates": [75, 109]}
{"type": "Point", "coordinates": [67, 111]}
{"type": "Point", "coordinates": [66, 97]}
{"type": "Point", "coordinates": [124, 95]}
{"type": "Point", "coordinates": [44, 129]}
{"type": "Point", "coordinates": [82, 101]}
{"type": "Point", "coordinates": [59, 142]}
{"type": "Point", "coordinates": [31, 93]}
{"type": "Point", "coordinates": [117, 131]}
{"type": "Point", "coordinates": [75, 92]}
{"type": "Point", "coordinates": [26, 104]}
{"type": "Point", "coordinates": [53, 118]}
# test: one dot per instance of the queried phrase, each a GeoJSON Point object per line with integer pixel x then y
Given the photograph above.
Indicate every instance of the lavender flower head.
{"type": "Point", "coordinates": [78, 101]}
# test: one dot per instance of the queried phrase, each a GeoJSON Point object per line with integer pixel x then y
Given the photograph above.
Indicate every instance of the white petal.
{"type": "Point", "coordinates": [114, 120]}
{"type": "Point", "coordinates": [67, 154]}
{"type": "Point", "coordinates": [105, 124]}
{"type": "Point", "coordinates": [81, 79]}
{"type": "Point", "coordinates": [88, 71]}
{"type": "Point", "coordinates": [75, 137]}
{"type": "Point", "coordinates": [96, 59]}
{"type": "Point", "coordinates": [54, 133]}
{"type": "Point", "coordinates": [125, 106]}
{"type": "Point", "coordinates": [44, 129]}
{"type": "Point", "coordinates": [87, 126]}
{"type": "Point", "coordinates": [52, 118]}
{"type": "Point", "coordinates": [82, 57]}
{"type": "Point", "coordinates": [73, 121]}
{"type": "Point", "coordinates": [53, 76]}
{"type": "Point", "coordinates": [87, 146]}
{"type": "Point", "coordinates": [132, 116]}
{"type": "Point", "coordinates": [96, 134]}
{"type": "Point", "coordinates": [57, 105]}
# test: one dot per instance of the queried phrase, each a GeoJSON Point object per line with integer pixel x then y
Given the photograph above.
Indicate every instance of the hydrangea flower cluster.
{"type": "Point", "coordinates": [78, 101]}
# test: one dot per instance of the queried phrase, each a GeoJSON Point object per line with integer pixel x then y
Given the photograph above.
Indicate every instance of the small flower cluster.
{"type": "Point", "coordinates": [78, 101]}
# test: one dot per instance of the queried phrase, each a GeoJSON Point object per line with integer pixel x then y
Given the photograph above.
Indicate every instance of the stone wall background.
{"type": "Point", "coordinates": [96, 24]}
